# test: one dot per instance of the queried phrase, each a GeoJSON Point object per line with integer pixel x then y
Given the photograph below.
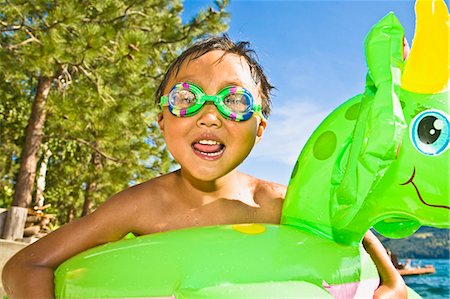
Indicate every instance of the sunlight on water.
{"type": "Point", "coordinates": [431, 286]}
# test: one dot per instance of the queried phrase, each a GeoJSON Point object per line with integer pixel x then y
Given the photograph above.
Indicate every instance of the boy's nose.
{"type": "Point", "coordinates": [209, 116]}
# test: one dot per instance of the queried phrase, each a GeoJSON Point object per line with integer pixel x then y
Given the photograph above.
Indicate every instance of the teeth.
{"type": "Point", "coordinates": [213, 154]}
{"type": "Point", "coordinates": [208, 142]}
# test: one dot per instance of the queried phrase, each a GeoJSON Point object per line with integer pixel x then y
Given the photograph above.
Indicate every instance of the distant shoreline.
{"type": "Point", "coordinates": [426, 243]}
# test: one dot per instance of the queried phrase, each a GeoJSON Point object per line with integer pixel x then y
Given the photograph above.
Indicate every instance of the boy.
{"type": "Point", "coordinates": [209, 141]}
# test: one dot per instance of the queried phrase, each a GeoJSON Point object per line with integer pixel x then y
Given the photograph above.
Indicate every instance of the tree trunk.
{"type": "Point", "coordinates": [15, 223]}
{"type": "Point", "coordinates": [70, 214]}
{"type": "Point", "coordinates": [40, 182]}
{"type": "Point", "coordinates": [33, 138]}
{"type": "Point", "coordinates": [89, 197]}
{"type": "Point", "coordinates": [29, 157]}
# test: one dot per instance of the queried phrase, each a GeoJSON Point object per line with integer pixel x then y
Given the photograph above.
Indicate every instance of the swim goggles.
{"type": "Point", "coordinates": [234, 102]}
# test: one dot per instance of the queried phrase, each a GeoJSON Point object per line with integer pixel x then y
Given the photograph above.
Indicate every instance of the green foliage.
{"type": "Point", "coordinates": [106, 59]}
{"type": "Point", "coordinates": [14, 110]}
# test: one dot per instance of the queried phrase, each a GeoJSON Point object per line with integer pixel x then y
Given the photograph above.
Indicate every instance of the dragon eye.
{"type": "Point", "coordinates": [430, 132]}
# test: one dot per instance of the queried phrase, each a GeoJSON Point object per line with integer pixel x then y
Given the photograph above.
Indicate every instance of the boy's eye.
{"type": "Point", "coordinates": [182, 98]}
{"type": "Point", "coordinates": [237, 102]}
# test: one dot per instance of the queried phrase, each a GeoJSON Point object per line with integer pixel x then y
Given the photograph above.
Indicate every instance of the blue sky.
{"type": "Point", "coordinates": [313, 53]}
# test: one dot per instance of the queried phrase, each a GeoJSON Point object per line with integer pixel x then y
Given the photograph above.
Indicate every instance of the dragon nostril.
{"type": "Point", "coordinates": [411, 178]}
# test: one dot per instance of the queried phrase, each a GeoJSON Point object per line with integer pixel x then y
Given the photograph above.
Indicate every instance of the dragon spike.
{"type": "Point", "coordinates": [427, 67]}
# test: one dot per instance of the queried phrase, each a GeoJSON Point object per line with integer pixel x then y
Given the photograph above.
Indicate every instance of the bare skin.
{"type": "Point", "coordinates": [205, 191]}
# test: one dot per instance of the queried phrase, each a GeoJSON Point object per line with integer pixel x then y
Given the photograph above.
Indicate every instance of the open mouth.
{"type": "Point", "coordinates": [410, 181]}
{"type": "Point", "coordinates": [208, 149]}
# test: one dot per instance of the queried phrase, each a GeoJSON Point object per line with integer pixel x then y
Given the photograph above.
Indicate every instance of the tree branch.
{"type": "Point", "coordinates": [31, 39]}
{"type": "Point", "coordinates": [90, 145]}
{"type": "Point", "coordinates": [87, 143]}
{"type": "Point", "coordinates": [126, 14]}
{"type": "Point", "coordinates": [89, 76]}
{"type": "Point", "coordinates": [27, 41]}
{"type": "Point", "coordinates": [8, 27]}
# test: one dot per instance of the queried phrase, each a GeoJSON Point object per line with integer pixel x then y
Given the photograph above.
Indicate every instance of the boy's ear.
{"type": "Point", "coordinates": [161, 121]}
{"type": "Point", "coordinates": [261, 128]}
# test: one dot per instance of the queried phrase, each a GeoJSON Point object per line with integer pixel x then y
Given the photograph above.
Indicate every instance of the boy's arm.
{"type": "Point", "coordinates": [392, 284]}
{"type": "Point", "coordinates": [29, 273]}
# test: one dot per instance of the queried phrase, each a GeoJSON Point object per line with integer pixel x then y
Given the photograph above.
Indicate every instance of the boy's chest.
{"type": "Point", "coordinates": [217, 213]}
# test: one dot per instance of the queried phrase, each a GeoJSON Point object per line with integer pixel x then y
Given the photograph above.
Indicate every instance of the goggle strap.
{"type": "Point", "coordinates": [164, 101]}
{"type": "Point", "coordinates": [258, 111]}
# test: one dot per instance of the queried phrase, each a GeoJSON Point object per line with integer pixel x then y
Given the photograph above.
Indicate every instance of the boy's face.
{"type": "Point", "coordinates": [207, 145]}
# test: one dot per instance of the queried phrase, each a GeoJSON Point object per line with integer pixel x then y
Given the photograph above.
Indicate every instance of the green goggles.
{"type": "Point", "coordinates": [233, 102]}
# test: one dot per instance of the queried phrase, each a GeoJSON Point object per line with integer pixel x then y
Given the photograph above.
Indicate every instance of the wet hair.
{"type": "Point", "coordinates": [223, 43]}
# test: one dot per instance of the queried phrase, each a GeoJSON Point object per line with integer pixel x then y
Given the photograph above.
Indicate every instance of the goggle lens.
{"type": "Point", "coordinates": [182, 98]}
{"type": "Point", "coordinates": [238, 103]}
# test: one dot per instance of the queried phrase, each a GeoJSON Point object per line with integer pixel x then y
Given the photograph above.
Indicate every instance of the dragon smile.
{"type": "Point", "coordinates": [418, 192]}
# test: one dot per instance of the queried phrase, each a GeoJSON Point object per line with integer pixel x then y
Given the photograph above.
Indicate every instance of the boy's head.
{"type": "Point", "coordinates": [215, 98]}
{"type": "Point", "coordinates": [222, 43]}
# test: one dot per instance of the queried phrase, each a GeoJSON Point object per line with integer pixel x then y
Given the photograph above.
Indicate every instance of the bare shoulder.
{"type": "Point", "coordinates": [269, 190]}
{"type": "Point", "coordinates": [146, 202]}
{"type": "Point", "coordinates": [270, 197]}
{"type": "Point", "coordinates": [141, 193]}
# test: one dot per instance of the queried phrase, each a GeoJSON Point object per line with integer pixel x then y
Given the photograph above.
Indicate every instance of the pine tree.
{"type": "Point", "coordinates": [85, 73]}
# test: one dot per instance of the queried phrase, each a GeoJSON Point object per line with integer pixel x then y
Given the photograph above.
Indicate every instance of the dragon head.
{"type": "Point", "coordinates": [381, 159]}
{"type": "Point", "coordinates": [416, 191]}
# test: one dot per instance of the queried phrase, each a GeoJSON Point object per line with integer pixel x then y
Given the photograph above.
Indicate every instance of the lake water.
{"type": "Point", "coordinates": [431, 286]}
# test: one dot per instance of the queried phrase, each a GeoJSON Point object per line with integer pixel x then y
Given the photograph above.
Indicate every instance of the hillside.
{"type": "Point", "coordinates": [427, 242]}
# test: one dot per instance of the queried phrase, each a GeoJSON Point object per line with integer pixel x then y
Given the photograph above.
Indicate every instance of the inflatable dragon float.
{"type": "Point", "coordinates": [379, 160]}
